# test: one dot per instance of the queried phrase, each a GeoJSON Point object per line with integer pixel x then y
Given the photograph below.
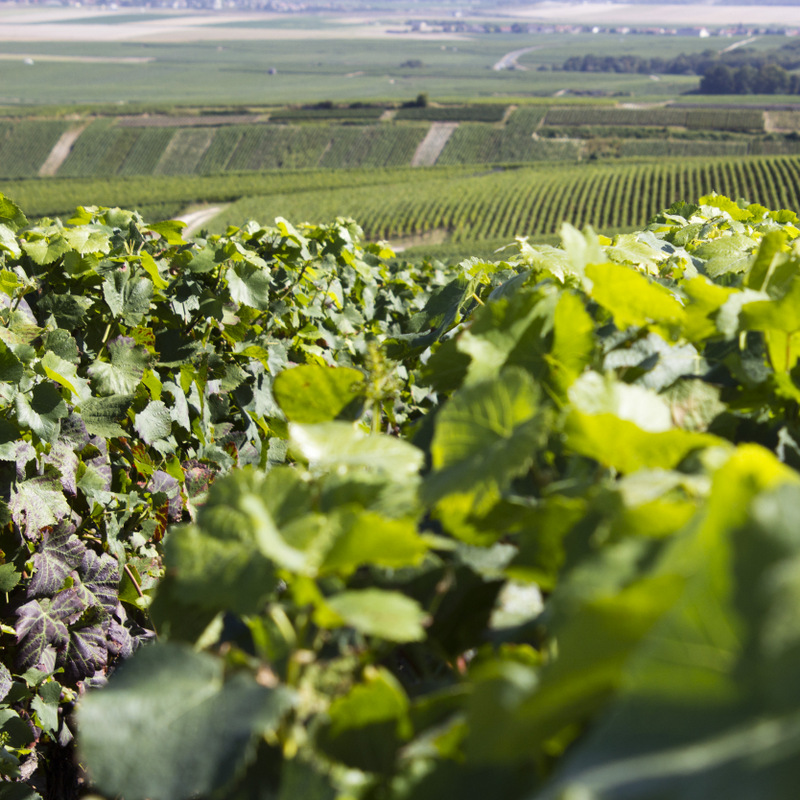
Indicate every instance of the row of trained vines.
{"type": "Point", "coordinates": [25, 145]}
{"type": "Point", "coordinates": [529, 201]}
{"type": "Point", "coordinates": [472, 143]}
{"type": "Point", "coordinates": [694, 119]}
{"type": "Point", "coordinates": [105, 149]}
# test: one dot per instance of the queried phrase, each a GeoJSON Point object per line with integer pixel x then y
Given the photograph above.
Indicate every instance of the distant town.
{"type": "Point", "coordinates": [463, 19]}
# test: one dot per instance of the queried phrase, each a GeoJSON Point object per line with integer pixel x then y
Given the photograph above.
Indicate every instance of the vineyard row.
{"type": "Point", "coordinates": [530, 201]}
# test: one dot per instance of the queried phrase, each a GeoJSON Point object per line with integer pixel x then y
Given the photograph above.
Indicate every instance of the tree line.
{"type": "Point", "coordinates": [742, 71]}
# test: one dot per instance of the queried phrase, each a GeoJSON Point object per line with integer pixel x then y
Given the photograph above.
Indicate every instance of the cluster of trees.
{"type": "Point", "coordinates": [747, 79]}
{"type": "Point", "coordinates": [680, 65]}
{"type": "Point", "coordinates": [738, 72]}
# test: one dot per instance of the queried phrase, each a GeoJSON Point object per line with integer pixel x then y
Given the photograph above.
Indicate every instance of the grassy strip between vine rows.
{"type": "Point", "coordinates": [520, 528]}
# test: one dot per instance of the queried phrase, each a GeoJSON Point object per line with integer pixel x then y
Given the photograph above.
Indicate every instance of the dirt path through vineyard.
{"type": "Point", "coordinates": [61, 150]}
{"type": "Point", "coordinates": [199, 217]}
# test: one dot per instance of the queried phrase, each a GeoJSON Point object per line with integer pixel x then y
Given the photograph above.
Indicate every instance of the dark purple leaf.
{"type": "Point", "coordinates": [98, 584]}
{"type": "Point", "coordinates": [41, 631]}
{"type": "Point", "coordinates": [64, 459]}
{"type": "Point", "coordinates": [73, 431]}
{"type": "Point", "coordinates": [120, 642]}
{"type": "Point", "coordinates": [86, 653]}
{"type": "Point", "coordinates": [163, 482]}
{"type": "Point", "coordinates": [68, 606]}
{"type": "Point", "coordinates": [60, 553]}
{"type": "Point", "coordinates": [198, 477]}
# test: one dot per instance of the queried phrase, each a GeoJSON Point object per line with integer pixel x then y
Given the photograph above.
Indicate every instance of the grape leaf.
{"type": "Point", "coordinates": [60, 553]}
{"type": "Point", "coordinates": [173, 713]}
{"type": "Point", "coordinates": [37, 503]}
{"type": "Point", "coordinates": [42, 629]}
{"type": "Point", "coordinates": [124, 372]}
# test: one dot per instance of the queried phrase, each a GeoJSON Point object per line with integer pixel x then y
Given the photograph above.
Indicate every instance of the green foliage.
{"type": "Point", "coordinates": [570, 565]}
{"type": "Point", "coordinates": [135, 368]}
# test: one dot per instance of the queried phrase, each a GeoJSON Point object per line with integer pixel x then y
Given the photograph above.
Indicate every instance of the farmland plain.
{"type": "Point", "coordinates": [80, 56]}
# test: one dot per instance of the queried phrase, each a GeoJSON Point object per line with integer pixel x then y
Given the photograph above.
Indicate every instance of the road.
{"type": "Point", "coordinates": [509, 60]}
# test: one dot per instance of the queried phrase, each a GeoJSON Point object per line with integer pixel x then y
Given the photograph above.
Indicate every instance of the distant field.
{"type": "Point", "coordinates": [255, 58]}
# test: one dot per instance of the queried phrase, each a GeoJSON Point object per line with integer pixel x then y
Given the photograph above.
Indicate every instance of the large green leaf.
{"type": "Point", "coordinates": [128, 297]}
{"type": "Point", "coordinates": [375, 612]}
{"type": "Point", "coordinates": [311, 393]}
{"type": "Point", "coordinates": [102, 415]}
{"type": "Point", "coordinates": [169, 725]}
{"type": "Point", "coordinates": [125, 370]}
{"type": "Point", "coordinates": [332, 445]}
{"type": "Point", "coordinates": [485, 436]}
{"type": "Point", "coordinates": [625, 446]}
{"type": "Point", "coordinates": [710, 705]}
{"type": "Point", "coordinates": [153, 422]}
{"type": "Point", "coordinates": [726, 255]}
{"type": "Point", "coordinates": [632, 298]}
{"type": "Point", "coordinates": [499, 327]}
{"type": "Point", "coordinates": [215, 573]}
{"type": "Point", "coordinates": [41, 410]}
{"type": "Point", "coordinates": [249, 285]}
{"type": "Point", "coordinates": [365, 537]}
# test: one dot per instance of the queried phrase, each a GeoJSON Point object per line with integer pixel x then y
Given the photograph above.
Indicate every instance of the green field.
{"type": "Point", "coordinates": [326, 68]}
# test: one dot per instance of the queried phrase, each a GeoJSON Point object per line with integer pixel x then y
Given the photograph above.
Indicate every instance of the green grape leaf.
{"type": "Point", "coordinates": [37, 503]}
{"type": "Point", "coordinates": [169, 230]}
{"type": "Point", "coordinates": [331, 445]}
{"type": "Point", "coordinates": [627, 447]}
{"type": "Point", "coordinates": [632, 298]}
{"type": "Point", "coordinates": [128, 297]}
{"type": "Point", "coordinates": [188, 730]}
{"type": "Point", "coordinates": [310, 393]}
{"type": "Point", "coordinates": [124, 372]}
{"type": "Point", "coordinates": [68, 310]}
{"type": "Point", "coordinates": [45, 704]}
{"type": "Point", "coordinates": [66, 374]}
{"type": "Point", "coordinates": [101, 415]}
{"type": "Point", "coordinates": [89, 239]}
{"type": "Point", "coordinates": [726, 255]}
{"type": "Point", "coordinates": [11, 214]}
{"type": "Point", "coordinates": [153, 422]}
{"type": "Point", "coordinates": [43, 250]}
{"type": "Point", "coordinates": [215, 573]}
{"type": "Point", "coordinates": [11, 369]}
{"type": "Point", "coordinates": [41, 411]}
{"type": "Point", "coordinates": [9, 242]}
{"type": "Point", "coordinates": [365, 537]}
{"type": "Point", "coordinates": [366, 727]}
{"type": "Point", "coordinates": [249, 285]}
{"type": "Point", "coordinates": [484, 437]}
{"type": "Point", "coordinates": [375, 612]}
